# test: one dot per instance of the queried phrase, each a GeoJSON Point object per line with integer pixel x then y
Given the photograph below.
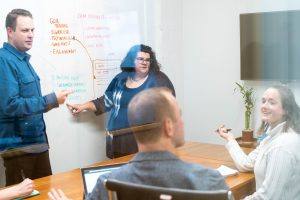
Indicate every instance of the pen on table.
{"type": "Point", "coordinates": [22, 174]}
{"type": "Point", "coordinates": [227, 130]}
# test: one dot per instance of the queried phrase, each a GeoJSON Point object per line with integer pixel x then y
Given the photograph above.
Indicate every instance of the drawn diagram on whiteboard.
{"type": "Point", "coordinates": [102, 70]}
{"type": "Point", "coordinates": [89, 49]}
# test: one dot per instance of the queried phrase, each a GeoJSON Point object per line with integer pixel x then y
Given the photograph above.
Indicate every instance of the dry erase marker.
{"type": "Point", "coordinates": [22, 174]}
{"type": "Point", "coordinates": [227, 130]}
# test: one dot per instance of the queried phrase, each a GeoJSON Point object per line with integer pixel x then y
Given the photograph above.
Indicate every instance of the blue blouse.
{"type": "Point", "coordinates": [117, 97]}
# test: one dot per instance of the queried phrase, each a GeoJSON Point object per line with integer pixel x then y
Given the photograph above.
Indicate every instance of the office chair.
{"type": "Point", "coordinates": [119, 190]}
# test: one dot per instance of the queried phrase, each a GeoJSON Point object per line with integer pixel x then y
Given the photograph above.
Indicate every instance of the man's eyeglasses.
{"type": "Point", "coordinates": [141, 60]}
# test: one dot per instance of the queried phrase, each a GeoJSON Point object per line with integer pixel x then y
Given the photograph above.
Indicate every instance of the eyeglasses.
{"type": "Point", "coordinates": [141, 60]}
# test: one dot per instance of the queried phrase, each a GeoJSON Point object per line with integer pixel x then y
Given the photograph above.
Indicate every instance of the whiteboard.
{"type": "Point", "coordinates": [78, 45]}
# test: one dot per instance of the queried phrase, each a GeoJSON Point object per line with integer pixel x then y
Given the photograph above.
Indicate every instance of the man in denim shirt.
{"type": "Point", "coordinates": [22, 127]}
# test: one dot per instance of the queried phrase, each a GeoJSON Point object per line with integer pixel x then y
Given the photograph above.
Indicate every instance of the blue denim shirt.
{"type": "Point", "coordinates": [21, 104]}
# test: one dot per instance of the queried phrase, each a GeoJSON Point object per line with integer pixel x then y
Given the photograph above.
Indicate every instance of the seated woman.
{"type": "Point", "coordinates": [22, 189]}
{"type": "Point", "coordinates": [140, 70]}
{"type": "Point", "coordinates": [276, 161]}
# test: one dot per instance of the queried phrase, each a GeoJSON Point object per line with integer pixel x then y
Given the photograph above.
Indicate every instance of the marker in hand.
{"type": "Point", "coordinates": [22, 174]}
{"type": "Point", "coordinates": [71, 108]}
{"type": "Point", "coordinates": [227, 130]}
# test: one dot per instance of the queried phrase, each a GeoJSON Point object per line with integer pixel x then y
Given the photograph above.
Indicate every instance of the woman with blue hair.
{"type": "Point", "coordinates": [140, 71]}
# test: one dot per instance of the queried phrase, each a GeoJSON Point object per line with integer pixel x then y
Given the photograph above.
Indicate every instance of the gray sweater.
{"type": "Point", "coordinates": [162, 169]}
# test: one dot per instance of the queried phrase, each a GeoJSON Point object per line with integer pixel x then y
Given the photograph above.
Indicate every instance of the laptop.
{"type": "Point", "coordinates": [90, 175]}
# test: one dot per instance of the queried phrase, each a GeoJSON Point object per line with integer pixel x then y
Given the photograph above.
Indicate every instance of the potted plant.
{"type": "Point", "coordinates": [248, 97]}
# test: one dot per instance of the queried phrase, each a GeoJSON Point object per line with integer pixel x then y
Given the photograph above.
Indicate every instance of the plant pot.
{"type": "Point", "coordinates": [247, 136]}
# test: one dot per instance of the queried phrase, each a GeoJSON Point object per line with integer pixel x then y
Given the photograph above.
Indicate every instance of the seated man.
{"type": "Point", "coordinates": [156, 162]}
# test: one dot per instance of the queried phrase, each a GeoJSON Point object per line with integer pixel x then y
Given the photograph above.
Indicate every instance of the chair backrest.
{"type": "Point", "coordinates": [124, 190]}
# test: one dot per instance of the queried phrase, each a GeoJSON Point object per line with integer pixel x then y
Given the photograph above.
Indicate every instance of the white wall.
{"type": "Point", "coordinates": [197, 43]}
{"type": "Point", "coordinates": [170, 44]}
{"type": "Point", "coordinates": [211, 57]}
{"type": "Point", "coordinates": [211, 60]}
{"type": "Point", "coordinates": [80, 141]}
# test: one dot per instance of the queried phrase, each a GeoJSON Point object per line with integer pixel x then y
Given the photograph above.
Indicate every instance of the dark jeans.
{"type": "Point", "coordinates": [121, 145]}
{"type": "Point", "coordinates": [33, 165]}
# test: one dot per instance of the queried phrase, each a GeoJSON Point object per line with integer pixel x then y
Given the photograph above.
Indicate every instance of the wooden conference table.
{"type": "Point", "coordinates": [209, 155]}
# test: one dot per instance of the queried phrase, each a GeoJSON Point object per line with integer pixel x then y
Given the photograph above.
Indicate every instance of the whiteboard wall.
{"type": "Point", "coordinates": [79, 45]}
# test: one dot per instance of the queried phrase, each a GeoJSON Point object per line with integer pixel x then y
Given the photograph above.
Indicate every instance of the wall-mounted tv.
{"type": "Point", "coordinates": [270, 45]}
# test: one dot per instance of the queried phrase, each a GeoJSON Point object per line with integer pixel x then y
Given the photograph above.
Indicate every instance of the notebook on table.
{"type": "Point", "coordinates": [227, 171]}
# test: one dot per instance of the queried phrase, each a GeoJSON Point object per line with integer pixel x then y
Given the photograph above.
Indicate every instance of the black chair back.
{"type": "Point", "coordinates": [120, 190]}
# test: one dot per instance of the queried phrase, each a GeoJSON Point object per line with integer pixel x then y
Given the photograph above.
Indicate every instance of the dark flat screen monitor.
{"type": "Point", "coordinates": [270, 45]}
